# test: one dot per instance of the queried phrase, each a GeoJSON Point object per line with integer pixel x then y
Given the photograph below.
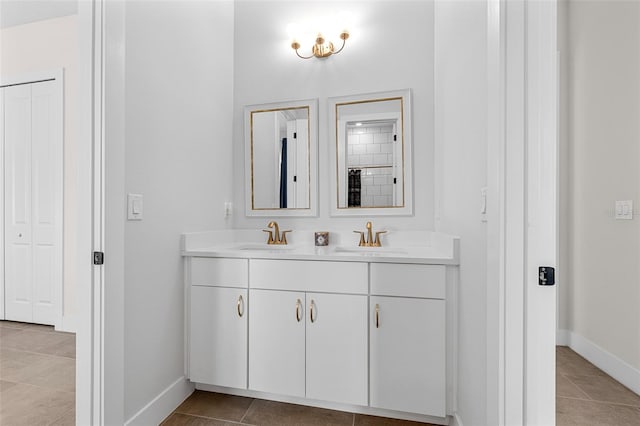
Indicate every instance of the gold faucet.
{"type": "Point", "coordinates": [279, 238]}
{"type": "Point", "coordinates": [369, 242]}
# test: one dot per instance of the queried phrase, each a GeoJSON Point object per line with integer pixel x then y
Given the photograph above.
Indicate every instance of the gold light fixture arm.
{"type": "Point", "coordinates": [344, 35]}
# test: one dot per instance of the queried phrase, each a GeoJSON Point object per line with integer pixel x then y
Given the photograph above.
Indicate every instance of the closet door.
{"type": "Point", "coordinates": [18, 235]}
{"type": "Point", "coordinates": [33, 202]}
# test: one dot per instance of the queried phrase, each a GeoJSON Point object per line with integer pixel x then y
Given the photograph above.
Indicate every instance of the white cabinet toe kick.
{"type": "Point", "coordinates": [366, 337]}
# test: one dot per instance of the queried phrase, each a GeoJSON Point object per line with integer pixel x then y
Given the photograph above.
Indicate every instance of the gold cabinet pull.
{"type": "Point", "coordinates": [311, 317]}
{"type": "Point", "coordinates": [298, 306]}
{"type": "Point", "coordinates": [240, 306]}
{"type": "Point", "coordinates": [377, 316]}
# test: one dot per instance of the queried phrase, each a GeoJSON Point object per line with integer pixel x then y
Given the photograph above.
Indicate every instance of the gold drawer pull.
{"type": "Point", "coordinates": [311, 317]}
{"type": "Point", "coordinates": [298, 306]}
{"type": "Point", "coordinates": [240, 306]}
{"type": "Point", "coordinates": [377, 316]}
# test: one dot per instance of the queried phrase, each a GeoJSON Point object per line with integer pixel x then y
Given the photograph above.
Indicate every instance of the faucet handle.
{"type": "Point", "coordinates": [362, 243]}
{"type": "Point", "coordinates": [283, 240]}
{"type": "Point", "coordinates": [270, 240]}
{"type": "Point", "coordinates": [377, 242]}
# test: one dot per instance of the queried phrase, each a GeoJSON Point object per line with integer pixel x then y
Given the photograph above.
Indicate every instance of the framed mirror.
{"type": "Point", "coordinates": [281, 158]}
{"type": "Point", "coordinates": [371, 153]}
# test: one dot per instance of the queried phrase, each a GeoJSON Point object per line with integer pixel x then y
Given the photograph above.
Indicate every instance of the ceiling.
{"type": "Point", "coordinates": [18, 12]}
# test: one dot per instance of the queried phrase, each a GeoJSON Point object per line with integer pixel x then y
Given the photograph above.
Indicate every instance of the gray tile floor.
{"type": "Point", "coordinates": [587, 396]}
{"type": "Point", "coordinates": [37, 375]}
{"type": "Point", "coordinates": [37, 387]}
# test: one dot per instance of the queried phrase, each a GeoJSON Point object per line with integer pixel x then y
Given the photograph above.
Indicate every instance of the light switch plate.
{"type": "Point", "coordinates": [134, 207]}
{"type": "Point", "coordinates": [624, 210]}
{"type": "Point", "coordinates": [483, 204]}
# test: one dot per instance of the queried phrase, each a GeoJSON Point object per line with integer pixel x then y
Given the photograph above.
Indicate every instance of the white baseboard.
{"type": "Point", "coordinates": [68, 324]}
{"type": "Point", "coordinates": [162, 405]}
{"type": "Point", "coordinates": [604, 360]}
{"type": "Point", "coordinates": [455, 420]}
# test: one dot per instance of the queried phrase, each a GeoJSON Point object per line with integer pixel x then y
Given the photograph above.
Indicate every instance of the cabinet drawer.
{"type": "Point", "coordinates": [300, 275]}
{"type": "Point", "coordinates": [206, 271]}
{"type": "Point", "coordinates": [395, 279]}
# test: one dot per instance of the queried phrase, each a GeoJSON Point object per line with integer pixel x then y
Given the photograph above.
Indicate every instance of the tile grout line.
{"type": "Point", "coordinates": [600, 402]}
{"type": "Point", "coordinates": [248, 408]}
{"type": "Point", "coordinates": [40, 387]}
{"type": "Point", "coordinates": [578, 387]}
{"type": "Point", "coordinates": [211, 418]}
{"type": "Point", "coordinates": [36, 353]}
{"type": "Point", "coordinates": [46, 355]}
{"type": "Point", "coordinates": [568, 378]}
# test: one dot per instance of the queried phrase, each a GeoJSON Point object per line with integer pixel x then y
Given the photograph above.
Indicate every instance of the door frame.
{"type": "Point", "coordinates": [89, 335]}
{"type": "Point", "coordinates": [100, 336]}
{"type": "Point", "coordinates": [56, 75]}
{"type": "Point", "coordinates": [522, 91]}
{"type": "Point", "coordinates": [508, 307]}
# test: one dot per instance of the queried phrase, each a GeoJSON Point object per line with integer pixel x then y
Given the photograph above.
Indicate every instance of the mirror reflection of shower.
{"type": "Point", "coordinates": [372, 163]}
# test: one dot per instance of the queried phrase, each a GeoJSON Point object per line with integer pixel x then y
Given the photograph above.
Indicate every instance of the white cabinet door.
{"type": "Point", "coordinates": [337, 348]}
{"type": "Point", "coordinates": [218, 336]}
{"type": "Point", "coordinates": [276, 342]}
{"type": "Point", "coordinates": [407, 355]}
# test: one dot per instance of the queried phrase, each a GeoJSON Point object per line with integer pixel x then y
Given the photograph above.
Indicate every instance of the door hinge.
{"type": "Point", "coordinates": [395, 181]}
{"type": "Point", "coordinates": [546, 275]}
{"type": "Point", "coordinates": [395, 138]}
{"type": "Point", "coordinates": [295, 178]}
{"type": "Point", "coordinates": [98, 258]}
{"type": "Point", "coordinates": [295, 135]}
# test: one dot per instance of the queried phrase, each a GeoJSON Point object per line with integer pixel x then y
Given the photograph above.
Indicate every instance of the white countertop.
{"type": "Point", "coordinates": [417, 247]}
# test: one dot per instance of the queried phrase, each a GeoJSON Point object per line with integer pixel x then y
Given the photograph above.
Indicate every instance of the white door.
{"type": "Point", "coordinates": [337, 364]}
{"type": "Point", "coordinates": [218, 339]}
{"type": "Point", "coordinates": [407, 352]}
{"type": "Point", "coordinates": [276, 342]}
{"type": "Point", "coordinates": [33, 202]}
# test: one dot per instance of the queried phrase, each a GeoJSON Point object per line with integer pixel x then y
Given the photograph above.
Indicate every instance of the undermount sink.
{"type": "Point", "coordinates": [266, 247]}
{"type": "Point", "coordinates": [372, 251]}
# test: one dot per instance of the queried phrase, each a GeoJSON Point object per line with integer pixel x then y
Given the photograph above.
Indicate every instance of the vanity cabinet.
{"type": "Point", "coordinates": [309, 343]}
{"type": "Point", "coordinates": [407, 338]}
{"type": "Point", "coordinates": [369, 334]}
{"type": "Point", "coordinates": [218, 322]}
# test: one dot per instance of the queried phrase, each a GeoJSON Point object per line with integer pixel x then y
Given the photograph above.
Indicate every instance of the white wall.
{"type": "Point", "coordinates": [23, 52]}
{"type": "Point", "coordinates": [390, 48]}
{"type": "Point", "coordinates": [461, 151]}
{"type": "Point", "coordinates": [178, 79]}
{"type": "Point", "coordinates": [600, 134]}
